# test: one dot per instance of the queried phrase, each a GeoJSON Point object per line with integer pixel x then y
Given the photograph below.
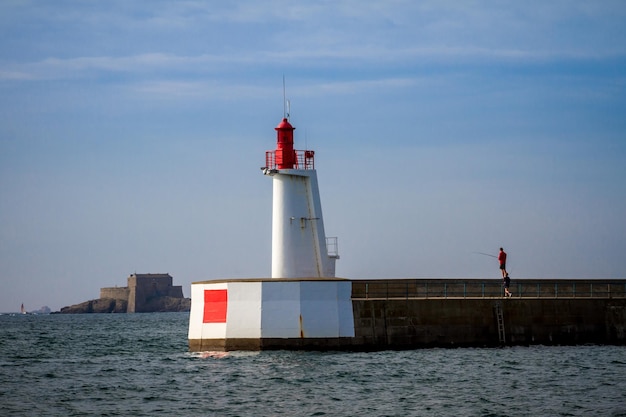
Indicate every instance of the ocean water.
{"type": "Point", "coordinates": [138, 365]}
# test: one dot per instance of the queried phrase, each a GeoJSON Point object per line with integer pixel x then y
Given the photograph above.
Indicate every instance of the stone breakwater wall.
{"type": "Point", "coordinates": [410, 313]}
{"type": "Point", "coordinates": [422, 313]}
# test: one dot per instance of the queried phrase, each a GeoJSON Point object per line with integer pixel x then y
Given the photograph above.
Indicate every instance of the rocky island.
{"type": "Point", "coordinates": [145, 293]}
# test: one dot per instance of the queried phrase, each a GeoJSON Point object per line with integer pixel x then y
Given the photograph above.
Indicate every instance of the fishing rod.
{"type": "Point", "coordinates": [486, 254]}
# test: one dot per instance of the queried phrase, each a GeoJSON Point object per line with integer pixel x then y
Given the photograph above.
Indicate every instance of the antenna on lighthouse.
{"type": "Point", "coordinates": [286, 103]}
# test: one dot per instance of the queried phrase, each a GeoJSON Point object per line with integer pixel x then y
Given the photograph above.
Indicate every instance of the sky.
{"type": "Point", "coordinates": [132, 133]}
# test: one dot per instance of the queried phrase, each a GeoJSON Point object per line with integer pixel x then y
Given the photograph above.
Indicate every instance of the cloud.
{"type": "Point", "coordinates": [202, 89]}
{"type": "Point", "coordinates": [55, 68]}
{"type": "Point", "coordinates": [197, 39]}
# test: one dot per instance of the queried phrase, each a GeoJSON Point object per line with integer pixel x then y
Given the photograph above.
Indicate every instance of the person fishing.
{"type": "Point", "coordinates": [502, 260]}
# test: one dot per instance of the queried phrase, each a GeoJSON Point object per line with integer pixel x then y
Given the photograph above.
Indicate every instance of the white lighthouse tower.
{"type": "Point", "coordinates": [302, 305]}
{"type": "Point", "coordinates": [300, 248]}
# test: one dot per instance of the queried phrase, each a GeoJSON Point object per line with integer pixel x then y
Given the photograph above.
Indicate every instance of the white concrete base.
{"type": "Point", "coordinates": [252, 310]}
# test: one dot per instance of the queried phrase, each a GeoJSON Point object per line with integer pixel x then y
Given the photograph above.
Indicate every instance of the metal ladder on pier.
{"type": "Point", "coordinates": [500, 320]}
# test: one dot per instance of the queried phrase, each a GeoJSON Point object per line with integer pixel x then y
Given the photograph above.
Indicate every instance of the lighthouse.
{"type": "Point", "coordinates": [302, 305]}
{"type": "Point", "coordinates": [300, 248]}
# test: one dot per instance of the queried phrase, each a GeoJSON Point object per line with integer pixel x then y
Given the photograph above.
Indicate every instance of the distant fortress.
{"type": "Point", "coordinates": [145, 293]}
{"type": "Point", "coordinates": [141, 289]}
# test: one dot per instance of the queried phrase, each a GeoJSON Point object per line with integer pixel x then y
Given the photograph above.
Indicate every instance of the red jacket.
{"type": "Point", "coordinates": [502, 257]}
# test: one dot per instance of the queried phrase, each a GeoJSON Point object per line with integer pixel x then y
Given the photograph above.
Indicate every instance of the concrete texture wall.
{"type": "Point", "coordinates": [421, 313]}
{"type": "Point", "coordinates": [381, 324]}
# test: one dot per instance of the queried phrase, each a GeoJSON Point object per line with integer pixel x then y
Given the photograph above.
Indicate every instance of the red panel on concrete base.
{"type": "Point", "coordinates": [215, 303]}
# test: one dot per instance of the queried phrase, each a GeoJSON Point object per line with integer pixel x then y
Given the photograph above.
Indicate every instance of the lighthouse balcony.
{"type": "Point", "coordinates": [332, 247]}
{"type": "Point", "coordinates": [276, 159]}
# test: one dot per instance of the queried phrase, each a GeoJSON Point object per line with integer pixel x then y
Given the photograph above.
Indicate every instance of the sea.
{"type": "Point", "coordinates": [139, 365]}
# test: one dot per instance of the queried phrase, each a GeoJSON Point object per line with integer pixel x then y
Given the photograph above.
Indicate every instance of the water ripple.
{"type": "Point", "coordinates": [119, 365]}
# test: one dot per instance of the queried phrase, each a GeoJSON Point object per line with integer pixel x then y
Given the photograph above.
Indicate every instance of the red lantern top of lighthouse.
{"type": "Point", "coordinates": [285, 156]}
{"type": "Point", "coordinates": [285, 125]}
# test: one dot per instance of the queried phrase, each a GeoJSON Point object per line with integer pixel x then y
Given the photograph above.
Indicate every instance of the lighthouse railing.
{"type": "Point", "coordinates": [487, 288]}
{"type": "Point", "coordinates": [305, 159]}
{"type": "Point", "coordinates": [332, 247]}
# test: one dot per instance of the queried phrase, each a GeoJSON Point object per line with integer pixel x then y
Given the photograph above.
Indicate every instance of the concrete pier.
{"type": "Point", "coordinates": [413, 313]}
{"type": "Point", "coordinates": [419, 313]}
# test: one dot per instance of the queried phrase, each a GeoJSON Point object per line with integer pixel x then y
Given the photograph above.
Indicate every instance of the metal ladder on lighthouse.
{"type": "Point", "coordinates": [500, 320]}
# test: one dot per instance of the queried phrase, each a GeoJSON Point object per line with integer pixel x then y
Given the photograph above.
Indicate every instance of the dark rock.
{"type": "Point", "coordinates": [167, 304]}
{"type": "Point", "coordinates": [112, 305]}
{"type": "Point", "coordinates": [99, 305]}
